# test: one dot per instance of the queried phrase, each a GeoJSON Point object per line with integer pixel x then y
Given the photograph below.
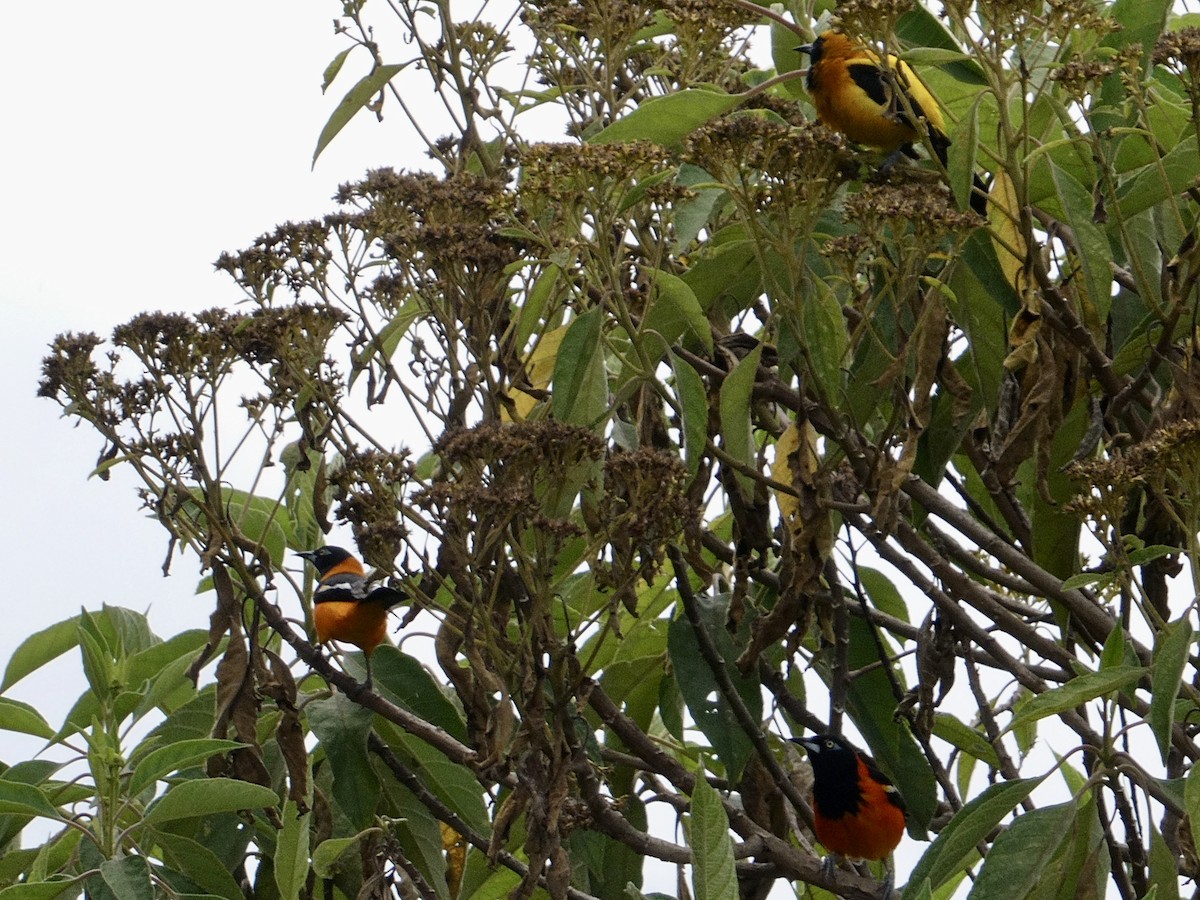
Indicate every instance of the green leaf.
{"type": "Point", "coordinates": [128, 878]}
{"type": "Point", "coordinates": [291, 852]}
{"type": "Point", "coordinates": [580, 395]}
{"type": "Point", "coordinates": [198, 863]}
{"type": "Point", "coordinates": [1164, 871]}
{"type": "Point", "coordinates": [713, 874]}
{"type": "Point", "coordinates": [325, 857]}
{"type": "Point", "coordinates": [335, 66]}
{"type": "Point", "coordinates": [23, 718]}
{"type": "Point", "coordinates": [1095, 254]}
{"type": "Point", "coordinates": [736, 429]}
{"type": "Point", "coordinates": [883, 592]}
{"type": "Point", "coordinates": [405, 680]}
{"type": "Point", "coordinates": [1085, 579]}
{"type": "Point", "coordinates": [1151, 552]}
{"type": "Point", "coordinates": [98, 665]}
{"type": "Point", "coordinates": [1075, 692]}
{"type": "Point", "coordinates": [668, 120]}
{"type": "Point", "coordinates": [955, 844]}
{"type": "Point", "coordinates": [675, 312]}
{"type": "Point", "coordinates": [26, 799]}
{"type": "Point", "coordinates": [1015, 865]}
{"type": "Point", "coordinates": [174, 757]}
{"type": "Point", "coordinates": [693, 407]}
{"type": "Point", "coordinates": [965, 738]}
{"type": "Point", "coordinates": [357, 97]}
{"type": "Point", "coordinates": [381, 346]}
{"type": "Point", "coordinates": [42, 890]}
{"type": "Point", "coordinates": [824, 337]}
{"type": "Point", "coordinates": [40, 648]}
{"type": "Point", "coordinates": [262, 519]}
{"type": "Point", "coordinates": [787, 58]}
{"type": "Point", "coordinates": [960, 167]}
{"type": "Point", "coordinates": [709, 707]}
{"type": "Point", "coordinates": [1170, 657]}
{"type": "Point", "coordinates": [127, 631]}
{"type": "Point", "coordinates": [530, 313]}
{"type": "Point", "coordinates": [1114, 653]}
{"type": "Point", "coordinates": [1191, 795]}
{"type": "Point", "coordinates": [204, 796]}
{"type": "Point", "coordinates": [693, 212]}
{"type": "Point", "coordinates": [342, 726]}
{"type": "Point", "coordinates": [419, 835]}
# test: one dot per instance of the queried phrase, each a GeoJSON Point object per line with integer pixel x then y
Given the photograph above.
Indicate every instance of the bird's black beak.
{"type": "Point", "coordinates": [306, 554]}
{"type": "Point", "coordinates": [809, 744]}
{"type": "Point", "coordinates": [805, 48]}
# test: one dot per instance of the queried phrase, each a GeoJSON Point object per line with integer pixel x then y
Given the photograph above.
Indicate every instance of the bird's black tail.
{"type": "Point", "coordinates": [979, 189]}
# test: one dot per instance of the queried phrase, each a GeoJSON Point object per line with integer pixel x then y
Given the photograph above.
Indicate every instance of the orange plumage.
{"type": "Point", "coordinates": [857, 811]}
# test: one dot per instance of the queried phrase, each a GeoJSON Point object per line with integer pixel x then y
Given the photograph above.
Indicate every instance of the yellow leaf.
{"type": "Point", "coordinates": [540, 367]}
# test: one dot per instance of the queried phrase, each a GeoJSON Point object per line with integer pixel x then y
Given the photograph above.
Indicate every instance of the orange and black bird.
{"type": "Point", "coordinates": [346, 607]}
{"type": "Point", "coordinates": [874, 105]}
{"type": "Point", "coordinates": [857, 811]}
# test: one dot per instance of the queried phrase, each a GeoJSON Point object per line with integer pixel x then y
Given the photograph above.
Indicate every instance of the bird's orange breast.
{"type": "Point", "coordinates": [362, 624]}
{"type": "Point", "coordinates": [872, 831]}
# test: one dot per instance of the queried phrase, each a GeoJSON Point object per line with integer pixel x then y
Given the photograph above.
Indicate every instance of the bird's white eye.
{"type": "Point", "coordinates": [828, 745]}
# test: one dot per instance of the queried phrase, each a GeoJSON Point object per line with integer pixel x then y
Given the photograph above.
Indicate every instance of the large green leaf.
{"type": "Point", "coordinates": [1015, 865]}
{"type": "Point", "coordinates": [1095, 255]}
{"type": "Point", "coordinates": [675, 313]}
{"type": "Point", "coordinates": [26, 799]}
{"type": "Point", "coordinates": [737, 432]}
{"type": "Point", "coordinates": [454, 784]}
{"type": "Point", "coordinates": [204, 796]}
{"type": "Point", "coordinates": [199, 863]}
{"type": "Point", "coordinates": [40, 890]}
{"type": "Point", "coordinates": [580, 394]}
{"type": "Point", "coordinates": [291, 852]}
{"type": "Point", "coordinates": [956, 844]}
{"type": "Point", "coordinates": [693, 408]}
{"type": "Point", "coordinates": [708, 705]}
{"type": "Point", "coordinates": [824, 338]}
{"type": "Point", "coordinates": [40, 648]}
{"type": "Point", "coordinates": [1170, 657]}
{"type": "Point", "coordinates": [871, 705]}
{"type": "Point", "coordinates": [128, 878]}
{"type": "Point", "coordinates": [1164, 869]}
{"type": "Point", "coordinates": [713, 874]}
{"type": "Point", "coordinates": [173, 757]}
{"type": "Point", "coordinates": [23, 718]}
{"type": "Point", "coordinates": [1075, 693]}
{"type": "Point", "coordinates": [668, 120]}
{"type": "Point", "coordinates": [356, 98]}
{"type": "Point", "coordinates": [420, 836]}
{"type": "Point", "coordinates": [405, 680]}
{"type": "Point", "coordinates": [342, 727]}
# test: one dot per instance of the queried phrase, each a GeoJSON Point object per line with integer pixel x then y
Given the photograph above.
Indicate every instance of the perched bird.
{"type": "Point", "coordinates": [346, 607]}
{"type": "Point", "coordinates": [857, 811]}
{"type": "Point", "coordinates": [874, 105]}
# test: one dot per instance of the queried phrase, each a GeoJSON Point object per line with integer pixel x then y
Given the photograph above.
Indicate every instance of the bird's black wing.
{"type": "Point", "coordinates": [870, 78]}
